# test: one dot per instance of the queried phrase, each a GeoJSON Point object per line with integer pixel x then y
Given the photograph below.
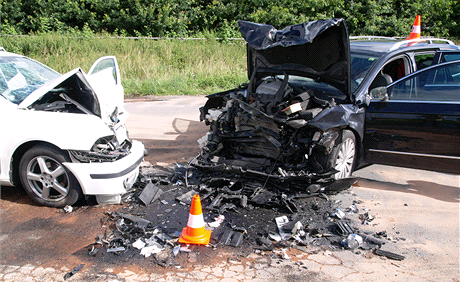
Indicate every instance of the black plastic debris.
{"type": "Point", "coordinates": [226, 207]}
{"type": "Point", "coordinates": [264, 241]}
{"type": "Point", "coordinates": [186, 199]}
{"type": "Point", "coordinates": [73, 271]}
{"type": "Point", "coordinates": [150, 194]}
{"type": "Point", "coordinates": [141, 222]}
{"type": "Point", "coordinates": [344, 228]}
{"type": "Point", "coordinates": [242, 200]}
{"type": "Point", "coordinates": [262, 197]}
{"type": "Point", "coordinates": [389, 255]}
{"type": "Point", "coordinates": [372, 240]}
{"type": "Point", "coordinates": [339, 185]}
{"type": "Point", "coordinates": [232, 238]}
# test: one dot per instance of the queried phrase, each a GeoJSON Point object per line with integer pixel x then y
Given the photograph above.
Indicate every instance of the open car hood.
{"type": "Point", "coordinates": [71, 88]}
{"type": "Point", "coordinates": [319, 50]}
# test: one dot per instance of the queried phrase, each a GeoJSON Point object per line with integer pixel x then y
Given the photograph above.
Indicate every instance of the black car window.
{"type": "Point", "coordinates": [393, 70]}
{"type": "Point", "coordinates": [449, 57]}
{"type": "Point", "coordinates": [360, 66]}
{"type": "Point", "coordinates": [396, 69]}
{"type": "Point", "coordinates": [423, 60]}
{"type": "Point", "coordinates": [441, 83]}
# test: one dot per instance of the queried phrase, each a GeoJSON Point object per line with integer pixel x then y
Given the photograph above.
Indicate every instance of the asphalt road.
{"type": "Point", "coordinates": [418, 209]}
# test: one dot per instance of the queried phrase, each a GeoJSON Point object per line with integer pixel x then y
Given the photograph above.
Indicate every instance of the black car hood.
{"type": "Point", "coordinates": [318, 49]}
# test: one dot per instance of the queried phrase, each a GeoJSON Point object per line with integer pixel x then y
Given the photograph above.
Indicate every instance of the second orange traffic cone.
{"type": "Point", "coordinates": [195, 233]}
{"type": "Point", "coordinates": [416, 28]}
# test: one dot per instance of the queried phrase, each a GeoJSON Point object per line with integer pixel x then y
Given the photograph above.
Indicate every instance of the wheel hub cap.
{"type": "Point", "coordinates": [47, 180]}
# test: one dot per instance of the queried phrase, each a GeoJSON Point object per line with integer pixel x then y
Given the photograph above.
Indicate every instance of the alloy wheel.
{"type": "Point", "coordinates": [345, 159]}
{"type": "Point", "coordinates": [48, 178]}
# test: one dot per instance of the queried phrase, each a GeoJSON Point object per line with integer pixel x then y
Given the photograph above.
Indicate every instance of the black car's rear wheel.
{"type": "Point", "coordinates": [45, 178]}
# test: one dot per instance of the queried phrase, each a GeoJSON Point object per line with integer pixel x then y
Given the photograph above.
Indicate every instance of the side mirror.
{"type": "Point", "coordinates": [380, 93]}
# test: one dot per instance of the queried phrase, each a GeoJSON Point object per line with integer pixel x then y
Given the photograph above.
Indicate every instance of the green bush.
{"type": "Point", "coordinates": [181, 18]}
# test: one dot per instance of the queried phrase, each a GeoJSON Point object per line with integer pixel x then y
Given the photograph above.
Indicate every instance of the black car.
{"type": "Point", "coordinates": [307, 111]}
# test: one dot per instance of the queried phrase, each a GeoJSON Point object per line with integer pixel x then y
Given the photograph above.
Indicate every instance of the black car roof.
{"type": "Point", "coordinates": [381, 46]}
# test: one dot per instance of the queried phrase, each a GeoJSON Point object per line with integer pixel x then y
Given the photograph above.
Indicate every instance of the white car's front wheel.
{"type": "Point", "coordinates": [45, 178]}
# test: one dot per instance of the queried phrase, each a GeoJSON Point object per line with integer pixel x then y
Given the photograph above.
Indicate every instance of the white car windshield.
{"type": "Point", "coordinates": [20, 76]}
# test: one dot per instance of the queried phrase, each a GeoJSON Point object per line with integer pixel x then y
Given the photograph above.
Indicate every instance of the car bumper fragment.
{"type": "Point", "coordinates": [109, 178]}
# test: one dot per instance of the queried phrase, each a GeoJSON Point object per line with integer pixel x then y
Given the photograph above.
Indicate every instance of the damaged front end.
{"type": "Point", "coordinates": [72, 94]}
{"type": "Point", "coordinates": [285, 123]}
{"type": "Point", "coordinates": [106, 149]}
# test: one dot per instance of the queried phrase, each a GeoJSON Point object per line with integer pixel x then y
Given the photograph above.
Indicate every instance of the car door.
{"type": "Point", "coordinates": [418, 124]}
{"type": "Point", "coordinates": [104, 77]}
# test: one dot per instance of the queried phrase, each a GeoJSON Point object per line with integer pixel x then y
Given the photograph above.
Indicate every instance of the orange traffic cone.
{"type": "Point", "coordinates": [416, 28]}
{"type": "Point", "coordinates": [195, 233]}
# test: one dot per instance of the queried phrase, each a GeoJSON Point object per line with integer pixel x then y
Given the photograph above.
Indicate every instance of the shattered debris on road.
{"type": "Point", "coordinates": [244, 214]}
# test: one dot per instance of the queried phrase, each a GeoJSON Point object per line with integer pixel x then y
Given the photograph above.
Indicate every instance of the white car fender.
{"type": "Point", "coordinates": [63, 129]}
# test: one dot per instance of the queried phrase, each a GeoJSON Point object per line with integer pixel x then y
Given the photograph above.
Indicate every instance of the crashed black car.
{"type": "Point", "coordinates": [296, 116]}
{"type": "Point", "coordinates": [305, 114]}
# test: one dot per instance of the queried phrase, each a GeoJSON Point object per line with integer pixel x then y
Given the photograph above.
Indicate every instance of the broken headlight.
{"type": "Point", "coordinates": [105, 149]}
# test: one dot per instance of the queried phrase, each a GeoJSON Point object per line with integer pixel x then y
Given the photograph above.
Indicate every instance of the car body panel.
{"type": "Point", "coordinates": [104, 77]}
{"type": "Point", "coordinates": [419, 126]}
{"type": "Point", "coordinates": [344, 115]}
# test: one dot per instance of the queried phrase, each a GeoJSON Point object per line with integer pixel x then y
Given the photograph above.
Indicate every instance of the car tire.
{"type": "Point", "coordinates": [45, 178]}
{"type": "Point", "coordinates": [343, 155]}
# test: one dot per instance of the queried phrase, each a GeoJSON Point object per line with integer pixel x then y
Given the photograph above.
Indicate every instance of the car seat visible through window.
{"type": "Point", "coordinates": [380, 80]}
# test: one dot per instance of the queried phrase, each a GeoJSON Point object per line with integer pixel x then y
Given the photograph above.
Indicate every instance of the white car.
{"type": "Point", "coordinates": [63, 136]}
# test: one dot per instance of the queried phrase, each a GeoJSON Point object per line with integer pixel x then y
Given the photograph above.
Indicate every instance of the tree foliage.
{"type": "Point", "coordinates": [177, 18]}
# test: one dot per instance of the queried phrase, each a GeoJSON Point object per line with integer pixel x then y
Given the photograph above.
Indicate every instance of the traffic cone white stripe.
{"type": "Point", "coordinates": [195, 221]}
{"type": "Point", "coordinates": [416, 29]}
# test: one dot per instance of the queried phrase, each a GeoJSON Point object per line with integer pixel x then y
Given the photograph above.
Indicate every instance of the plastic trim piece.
{"type": "Point", "coordinates": [118, 174]}
{"type": "Point", "coordinates": [415, 154]}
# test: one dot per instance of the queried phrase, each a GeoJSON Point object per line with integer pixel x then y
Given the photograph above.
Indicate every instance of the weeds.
{"type": "Point", "coordinates": [148, 67]}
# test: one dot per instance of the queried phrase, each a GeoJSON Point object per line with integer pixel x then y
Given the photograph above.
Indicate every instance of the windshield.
{"type": "Point", "coordinates": [20, 76]}
{"type": "Point", "coordinates": [360, 65]}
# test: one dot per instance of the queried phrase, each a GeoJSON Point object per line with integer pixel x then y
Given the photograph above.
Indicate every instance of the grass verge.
{"type": "Point", "coordinates": [148, 67]}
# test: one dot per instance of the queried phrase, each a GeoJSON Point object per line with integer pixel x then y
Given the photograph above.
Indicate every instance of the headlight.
{"type": "Point", "coordinates": [105, 149]}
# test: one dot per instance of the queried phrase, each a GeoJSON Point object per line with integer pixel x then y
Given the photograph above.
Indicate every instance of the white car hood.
{"type": "Point", "coordinates": [72, 86]}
